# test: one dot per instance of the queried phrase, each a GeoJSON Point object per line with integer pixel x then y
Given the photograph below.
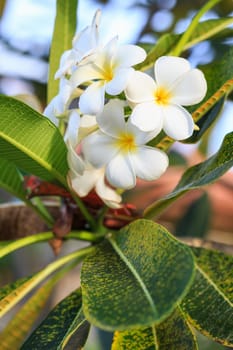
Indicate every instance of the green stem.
{"type": "Point", "coordinates": [46, 236]}
{"type": "Point", "coordinates": [13, 298]}
{"type": "Point", "coordinates": [84, 211]}
{"type": "Point", "coordinates": [185, 37]}
{"type": "Point", "coordinates": [38, 206]}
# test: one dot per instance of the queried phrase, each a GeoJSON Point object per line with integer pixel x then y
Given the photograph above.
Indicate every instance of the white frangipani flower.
{"type": "Point", "coordinates": [59, 105]}
{"type": "Point", "coordinates": [158, 104]}
{"type": "Point", "coordinates": [121, 147]}
{"type": "Point", "coordinates": [82, 177]}
{"type": "Point", "coordinates": [93, 178]}
{"type": "Point", "coordinates": [110, 68]}
{"type": "Point", "coordinates": [83, 44]}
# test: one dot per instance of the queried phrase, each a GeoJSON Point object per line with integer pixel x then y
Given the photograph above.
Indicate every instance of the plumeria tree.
{"type": "Point", "coordinates": [113, 113]}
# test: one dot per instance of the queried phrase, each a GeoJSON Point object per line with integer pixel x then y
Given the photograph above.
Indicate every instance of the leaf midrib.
{"type": "Point", "coordinates": [211, 282]}
{"type": "Point", "coordinates": [34, 157]}
{"type": "Point", "coordinates": [136, 275]}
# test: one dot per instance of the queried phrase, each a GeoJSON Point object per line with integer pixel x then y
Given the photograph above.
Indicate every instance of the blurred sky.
{"type": "Point", "coordinates": [26, 30]}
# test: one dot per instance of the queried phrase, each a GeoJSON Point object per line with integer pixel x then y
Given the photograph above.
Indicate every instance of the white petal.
{"type": "Point", "coordinates": [111, 120]}
{"type": "Point", "coordinates": [51, 110]}
{"type": "Point", "coordinates": [147, 117]}
{"type": "Point", "coordinates": [178, 122]}
{"type": "Point", "coordinates": [92, 99]}
{"type": "Point", "coordinates": [169, 68]}
{"type": "Point", "coordinates": [66, 62]}
{"type": "Point", "coordinates": [149, 163]}
{"type": "Point", "coordinates": [140, 88]}
{"type": "Point", "coordinates": [110, 197]}
{"type": "Point", "coordinates": [99, 149]}
{"type": "Point", "coordinates": [190, 89]}
{"type": "Point", "coordinates": [129, 55]}
{"type": "Point", "coordinates": [119, 172]}
{"type": "Point", "coordinates": [87, 40]}
{"type": "Point", "coordinates": [88, 125]}
{"type": "Point", "coordinates": [85, 73]}
{"type": "Point", "coordinates": [119, 82]}
{"type": "Point", "coordinates": [82, 185]}
{"type": "Point", "coordinates": [72, 128]}
{"type": "Point", "coordinates": [76, 163]}
{"type": "Point", "coordinates": [141, 137]}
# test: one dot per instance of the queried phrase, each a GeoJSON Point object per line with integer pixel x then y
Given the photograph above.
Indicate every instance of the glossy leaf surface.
{"type": "Point", "coordinates": [209, 303]}
{"type": "Point", "coordinates": [173, 334]}
{"type": "Point", "coordinates": [31, 141]}
{"type": "Point", "coordinates": [136, 277]}
{"type": "Point", "coordinates": [19, 326]}
{"type": "Point", "coordinates": [11, 179]}
{"type": "Point", "coordinates": [65, 328]}
{"type": "Point", "coordinates": [197, 176]}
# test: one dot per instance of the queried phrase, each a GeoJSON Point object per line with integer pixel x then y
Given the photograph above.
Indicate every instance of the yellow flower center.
{"type": "Point", "coordinates": [162, 96]}
{"type": "Point", "coordinates": [108, 72]}
{"type": "Point", "coordinates": [126, 143]}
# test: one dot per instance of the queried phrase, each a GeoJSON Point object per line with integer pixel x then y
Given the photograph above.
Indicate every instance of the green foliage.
{"type": "Point", "coordinates": [208, 304]}
{"type": "Point", "coordinates": [206, 121]}
{"type": "Point", "coordinates": [17, 329]}
{"type": "Point", "coordinates": [197, 176]}
{"type": "Point", "coordinates": [13, 293]}
{"type": "Point", "coordinates": [69, 333]}
{"type": "Point", "coordinates": [11, 179]}
{"type": "Point", "coordinates": [174, 334]}
{"type": "Point", "coordinates": [31, 141]}
{"type": "Point", "coordinates": [196, 220]}
{"type": "Point", "coordinates": [64, 29]}
{"type": "Point", "coordinates": [204, 30]}
{"type": "Point", "coordinates": [155, 271]}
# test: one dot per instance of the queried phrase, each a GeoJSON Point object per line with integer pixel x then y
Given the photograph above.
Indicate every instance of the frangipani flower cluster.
{"type": "Point", "coordinates": [107, 138]}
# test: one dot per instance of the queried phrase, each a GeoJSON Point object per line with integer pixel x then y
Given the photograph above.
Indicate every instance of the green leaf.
{"type": "Point", "coordinates": [208, 304]}
{"type": "Point", "coordinates": [64, 30]}
{"type": "Point", "coordinates": [11, 179]}
{"type": "Point", "coordinates": [9, 300]}
{"type": "Point", "coordinates": [11, 287]}
{"type": "Point", "coordinates": [217, 74]}
{"type": "Point", "coordinates": [173, 334]}
{"type": "Point", "coordinates": [31, 141]}
{"type": "Point", "coordinates": [206, 121]}
{"type": "Point", "coordinates": [167, 42]}
{"type": "Point", "coordinates": [197, 176]}
{"type": "Point", "coordinates": [136, 277]}
{"type": "Point", "coordinates": [65, 328]}
{"type": "Point", "coordinates": [196, 220]}
{"type": "Point", "coordinates": [17, 329]}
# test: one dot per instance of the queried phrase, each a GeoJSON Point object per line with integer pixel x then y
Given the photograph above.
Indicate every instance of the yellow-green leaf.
{"type": "Point", "coordinates": [17, 329]}
{"type": "Point", "coordinates": [11, 179]}
{"type": "Point", "coordinates": [136, 277]}
{"type": "Point", "coordinates": [10, 296]}
{"type": "Point", "coordinates": [65, 328]}
{"type": "Point", "coordinates": [31, 141]}
{"type": "Point", "coordinates": [204, 30]}
{"type": "Point", "coordinates": [64, 29]}
{"type": "Point", "coordinates": [209, 303]}
{"type": "Point", "coordinates": [172, 334]}
{"type": "Point", "coordinates": [197, 176]}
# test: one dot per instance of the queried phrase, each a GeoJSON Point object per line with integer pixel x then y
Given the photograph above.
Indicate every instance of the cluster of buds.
{"type": "Point", "coordinates": [113, 111]}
